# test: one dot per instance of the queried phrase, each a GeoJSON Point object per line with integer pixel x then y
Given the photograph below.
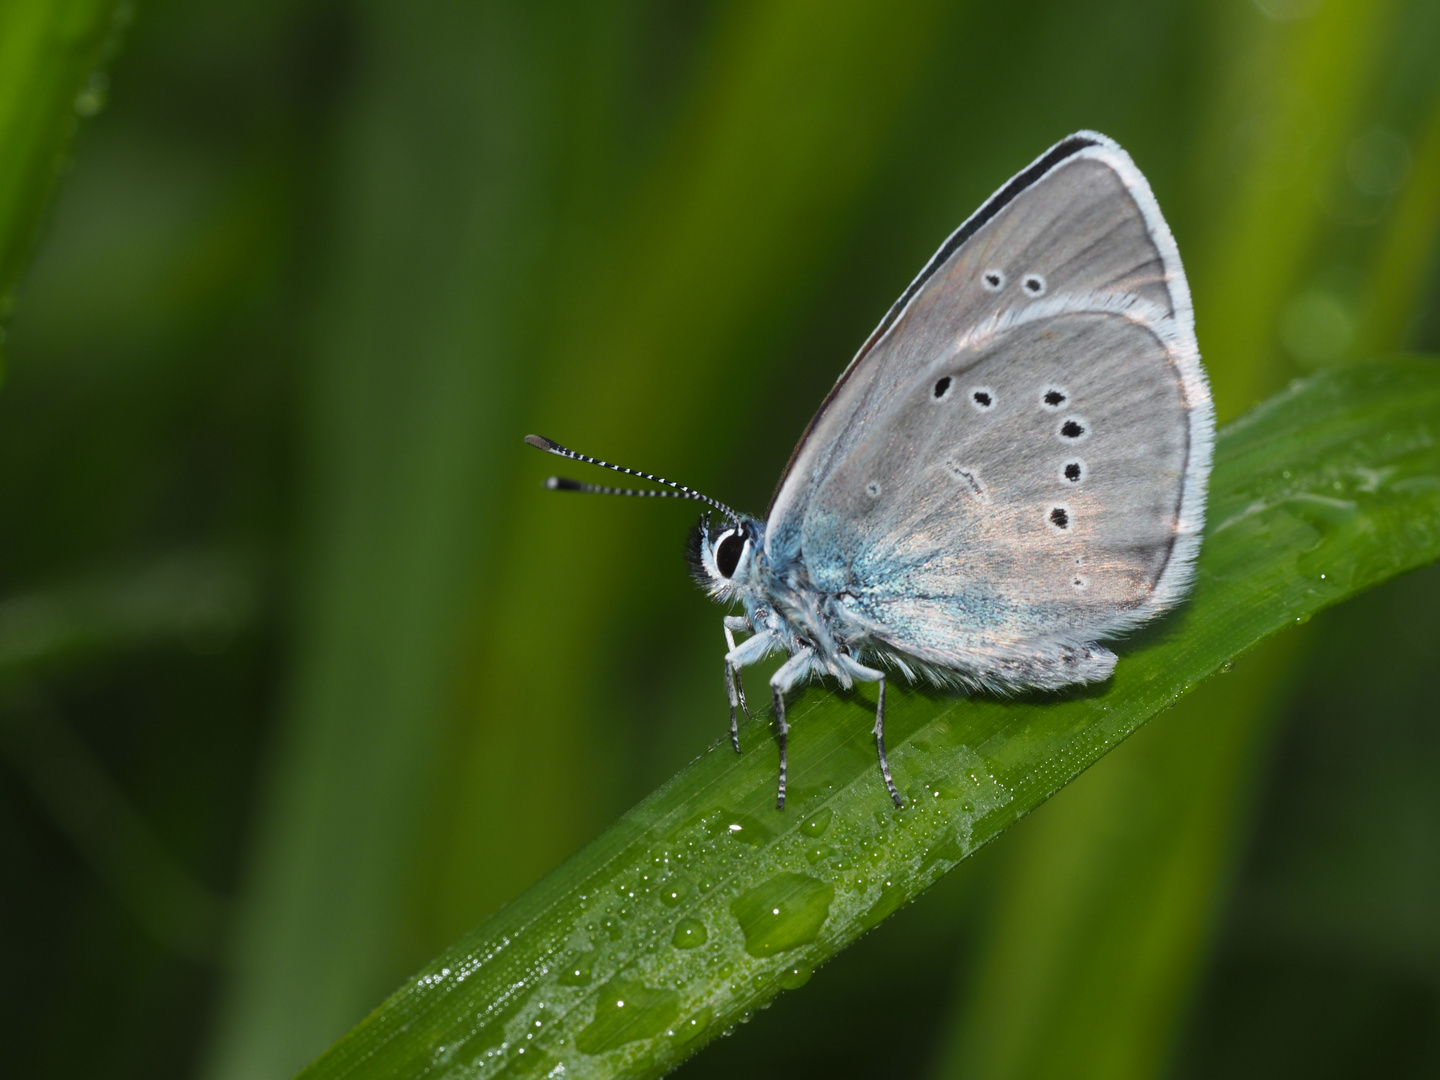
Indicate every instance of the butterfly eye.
{"type": "Point", "coordinates": [727, 553]}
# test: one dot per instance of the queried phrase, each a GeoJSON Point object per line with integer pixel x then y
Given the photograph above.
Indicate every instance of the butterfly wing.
{"type": "Point", "coordinates": [1023, 498]}
{"type": "Point", "coordinates": [996, 539]}
{"type": "Point", "coordinates": [1080, 219]}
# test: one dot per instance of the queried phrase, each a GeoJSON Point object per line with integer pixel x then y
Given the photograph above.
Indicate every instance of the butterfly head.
{"type": "Point", "coordinates": [722, 554]}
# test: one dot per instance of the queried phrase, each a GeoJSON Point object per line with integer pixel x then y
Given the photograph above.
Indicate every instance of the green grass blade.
{"type": "Point", "coordinates": [49, 52]}
{"type": "Point", "coordinates": [703, 902]}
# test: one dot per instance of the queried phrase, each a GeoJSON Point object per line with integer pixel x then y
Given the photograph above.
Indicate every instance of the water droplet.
{"type": "Point", "coordinates": [818, 822]}
{"type": "Point", "coordinates": [578, 972]}
{"type": "Point", "coordinates": [688, 934]}
{"type": "Point", "coordinates": [740, 827]}
{"type": "Point", "coordinates": [674, 889]}
{"type": "Point", "coordinates": [816, 852]}
{"type": "Point", "coordinates": [892, 895]}
{"type": "Point", "coordinates": [627, 1010]}
{"type": "Point", "coordinates": [691, 1026]}
{"type": "Point", "coordinates": [796, 976]}
{"type": "Point", "coordinates": [783, 913]}
{"type": "Point", "coordinates": [483, 1040]}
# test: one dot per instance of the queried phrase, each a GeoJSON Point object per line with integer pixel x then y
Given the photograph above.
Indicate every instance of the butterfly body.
{"type": "Point", "coordinates": [1012, 469]}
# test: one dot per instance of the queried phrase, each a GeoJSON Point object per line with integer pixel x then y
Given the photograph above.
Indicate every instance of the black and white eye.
{"type": "Point", "coordinates": [982, 397]}
{"type": "Point", "coordinates": [1052, 397]}
{"type": "Point", "coordinates": [993, 280]}
{"type": "Point", "coordinates": [941, 390]}
{"type": "Point", "coordinates": [728, 548]}
{"type": "Point", "coordinates": [1058, 517]}
{"type": "Point", "coordinates": [1034, 284]}
{"type": "Point", "coordinates": [1073, 429]}
{"type": "Point", "coordinates": [1073, 471]}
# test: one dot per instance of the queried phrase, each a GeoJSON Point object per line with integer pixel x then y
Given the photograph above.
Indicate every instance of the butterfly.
{"type": "Point", "coordinates": [1012, 469]}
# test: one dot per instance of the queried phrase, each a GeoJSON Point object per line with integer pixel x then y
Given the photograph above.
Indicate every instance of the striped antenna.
{"type": "Point", "coordinates": [679, 491]}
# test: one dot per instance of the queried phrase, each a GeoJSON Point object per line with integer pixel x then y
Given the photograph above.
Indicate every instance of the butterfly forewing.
{"type": "Point", "coordinates": [1023, 491]}
{"type": "Point", "coordinates": [1085, 225]}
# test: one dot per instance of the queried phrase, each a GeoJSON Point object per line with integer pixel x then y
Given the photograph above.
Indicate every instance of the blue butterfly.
{"type": "Point", "coordinates": [1012, 468]}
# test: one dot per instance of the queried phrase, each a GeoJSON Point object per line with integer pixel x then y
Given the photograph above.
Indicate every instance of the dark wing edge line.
{"type": "Point", "coordinates": [1027, 177]}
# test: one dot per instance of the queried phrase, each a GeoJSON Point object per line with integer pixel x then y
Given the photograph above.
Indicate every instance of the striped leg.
{"type": "Point", "coordinates": [749, 651]}
{"type": "Point", "coordinates": [734, 688]}
{"type": "Point", "coordinates": [790, 673]}
{"type": "Point", "coordinates": [866, 674]}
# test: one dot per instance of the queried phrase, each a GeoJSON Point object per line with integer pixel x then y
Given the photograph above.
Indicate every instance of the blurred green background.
{"type": "Point", "coordinates": [302, 674]}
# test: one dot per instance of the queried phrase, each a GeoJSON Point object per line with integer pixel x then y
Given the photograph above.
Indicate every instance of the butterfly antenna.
{"type": "Point", "coordinates": [679, 491]}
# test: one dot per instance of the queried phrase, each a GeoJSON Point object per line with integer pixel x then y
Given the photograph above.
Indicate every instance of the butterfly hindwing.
{"type": "Point", "coordinates": [1021, 497]}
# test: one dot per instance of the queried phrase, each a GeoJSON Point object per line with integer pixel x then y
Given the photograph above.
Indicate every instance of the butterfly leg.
{"type": "Point", "coordinates": [749, 651]}
{"type": "Point", "coordinates": [734, 688]}
{"type": "Point", "coordinates": [735, 622]}
{"type": "Point", "coordinates": [790, 673]}
{"type": "Point", "coordinates": [880, 744]}
{"type": "Point", "coordinates": [860, 671]}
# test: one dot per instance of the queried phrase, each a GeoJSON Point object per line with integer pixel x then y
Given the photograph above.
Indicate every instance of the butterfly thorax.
{"type": "Point", "coordinates": [730, 561]}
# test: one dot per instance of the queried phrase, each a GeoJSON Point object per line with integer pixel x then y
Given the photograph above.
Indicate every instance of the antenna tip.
{"type": "Point", "coordinates": [541, 443]}
{"type": "Point", "coordinates": [560, 483]}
